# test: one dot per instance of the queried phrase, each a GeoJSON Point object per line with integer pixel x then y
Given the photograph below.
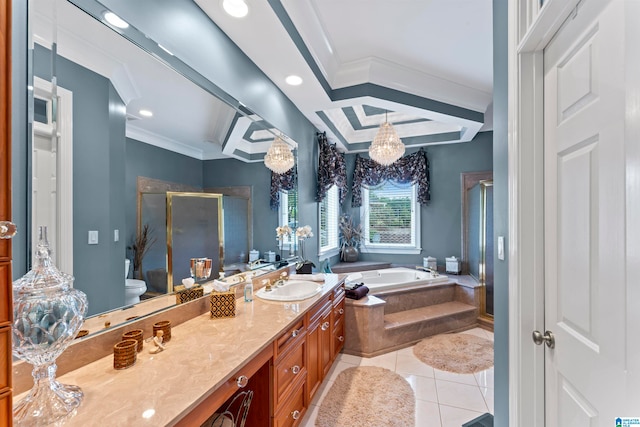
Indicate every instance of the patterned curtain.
{"type": "Point", "coordinates": [413, 168]}
{"type": "Point", "coordinates": [284, 181]}
{"type": "Point", "coordinates": [332, 169]}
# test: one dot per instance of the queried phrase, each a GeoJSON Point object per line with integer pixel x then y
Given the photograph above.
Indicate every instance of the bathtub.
{"type": "Point", "coordinates": [392, 278]}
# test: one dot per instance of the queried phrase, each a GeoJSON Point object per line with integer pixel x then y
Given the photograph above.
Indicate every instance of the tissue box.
{"type": "Point", "coordinates": [223, 304]}
{"type": "Point", "coordinates": [453, 265]}
{"type": "Point", "coordinates": [190, 294]}
{"type": "Point", "coordinates": [430, 262]}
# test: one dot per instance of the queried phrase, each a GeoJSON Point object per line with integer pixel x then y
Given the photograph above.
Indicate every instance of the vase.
{"type": "Point", "coordinates": [48, 313]}
{"type": "Point", "coordinates": [350, 254]}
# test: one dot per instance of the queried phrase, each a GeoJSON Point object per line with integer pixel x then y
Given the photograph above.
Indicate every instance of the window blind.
{"type": "Point", "coordinates": [329, 208]}
{"type": "Point", "coordinates": [390, 214]}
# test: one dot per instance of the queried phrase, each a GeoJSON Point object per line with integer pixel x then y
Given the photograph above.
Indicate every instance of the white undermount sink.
{"type": "Point", "coordinates": [292, 290]}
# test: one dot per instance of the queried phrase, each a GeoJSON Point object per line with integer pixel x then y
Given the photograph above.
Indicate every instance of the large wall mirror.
{"type": "Point", "coordinates": [109, 108]}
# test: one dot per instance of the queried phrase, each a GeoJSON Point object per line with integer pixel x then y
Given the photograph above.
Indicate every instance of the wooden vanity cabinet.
{"type": "Point", "coordinates": [6, 305]}
{"type": "Point", "coordinates": [256, 376]}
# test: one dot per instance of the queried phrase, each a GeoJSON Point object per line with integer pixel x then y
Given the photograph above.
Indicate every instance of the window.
{"type": "Point", "coordinates": [391, 219]}
{"type": "Point", "coordinates": [329, 210]}
{"type": "Point", "coordinates": [288, 214]}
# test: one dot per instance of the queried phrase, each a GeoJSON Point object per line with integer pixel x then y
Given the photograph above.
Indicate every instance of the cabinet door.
{"type": "Point", "coordinates": [314, 377]}
{"type": "Point", "coordinates": [326, 342]}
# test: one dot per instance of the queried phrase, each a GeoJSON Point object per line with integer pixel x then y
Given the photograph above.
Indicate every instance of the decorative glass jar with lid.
{"type": "Point", "coordinates": [47, 315]}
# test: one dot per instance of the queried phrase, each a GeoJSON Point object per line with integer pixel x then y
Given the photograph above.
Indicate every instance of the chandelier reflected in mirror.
{"type": "Point", "coordinates": [279, 158]}
{"type": "Point", "coordinates": [386, 147]}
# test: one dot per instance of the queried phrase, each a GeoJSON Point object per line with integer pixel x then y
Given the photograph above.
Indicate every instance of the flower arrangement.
{"type": "Point", "coordinates": [303, 233]}
{"type": "Point", "coordinates": [141, 244]}
{"type": "Point", "coordinates": [352, 233]}
{"type": "Point", "coordinates": [282, 231]}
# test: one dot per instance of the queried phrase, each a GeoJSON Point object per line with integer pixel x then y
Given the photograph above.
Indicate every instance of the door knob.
{"type": "Point", "coordinates": [547, 338]}
{"type": "Point", "coordinates": [7, 229]}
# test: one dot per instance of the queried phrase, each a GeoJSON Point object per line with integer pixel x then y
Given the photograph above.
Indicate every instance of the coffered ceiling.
{"type": "Point", "coordinates": [426, 64]}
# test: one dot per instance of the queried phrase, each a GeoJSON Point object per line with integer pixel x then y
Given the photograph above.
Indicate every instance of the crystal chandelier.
{"type": "Point", "coordinates": [279, 158]}
{"type": "Point", "coordinates": [386, 147]}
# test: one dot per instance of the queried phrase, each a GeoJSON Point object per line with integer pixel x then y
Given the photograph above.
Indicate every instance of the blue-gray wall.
{"type": "Point", "coordinates": [98, 179]}
{"type": "Point", "coordinates": [441, 219]}
{"type": "Point", "coordinates": [230, 172]}
{"type": "Point", "coordinates": [501, 210]}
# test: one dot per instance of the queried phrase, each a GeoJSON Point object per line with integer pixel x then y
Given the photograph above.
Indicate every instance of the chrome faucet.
{"type": "Point", "coordinates": [434, 273]}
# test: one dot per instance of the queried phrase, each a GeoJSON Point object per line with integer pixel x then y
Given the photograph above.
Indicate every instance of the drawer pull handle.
{"type": "Point", "coordinates": [341, 311]}
{"type": "Point", "coordinates": [295, 333]}
{"type": "Point", "coordinates": [242, 381]}
{"type": "Point", "coordinates": [295, 369]}
{"type": "Point", "coordinates": [325, 326]}
{"type": "Point", "coordinates": [340, 338]}
{"type": "Point", "coordinates": [295, 414]}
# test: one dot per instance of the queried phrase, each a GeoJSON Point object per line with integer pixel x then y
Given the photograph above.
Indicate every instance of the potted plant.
{"type": "Point", "coordinates": [141, 243]}
{"type": "Point", "coordinates": [304, 266]}
{"type": "Point", "coordinates": [350, 235]}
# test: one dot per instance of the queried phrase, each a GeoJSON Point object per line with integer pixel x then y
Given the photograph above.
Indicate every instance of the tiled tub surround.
{"type": "Point", "coordinates": [397, 318]}
{"type": "Point", "coordinates": [203, 355]}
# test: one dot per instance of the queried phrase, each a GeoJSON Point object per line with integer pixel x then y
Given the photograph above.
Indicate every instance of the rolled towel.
{"type": "Point", "coordinates": [357, 293]}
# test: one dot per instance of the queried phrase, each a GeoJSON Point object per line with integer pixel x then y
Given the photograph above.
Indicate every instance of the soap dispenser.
{"type": "Point", "coordinates": [248, 291]}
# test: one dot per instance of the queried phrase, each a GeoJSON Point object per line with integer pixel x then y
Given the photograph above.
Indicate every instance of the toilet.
{"type": "Point", "coordinates": [133, 288]}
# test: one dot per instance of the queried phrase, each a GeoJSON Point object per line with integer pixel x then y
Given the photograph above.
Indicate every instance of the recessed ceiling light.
{"type": "Point", "coordinates": [115, 20]}
{"type": "Point", "coordinates": [294, 80]}
{"type": "Point", "coordinates": [235, 8]}
{"type": "Point", "coordinates": [146, 113]}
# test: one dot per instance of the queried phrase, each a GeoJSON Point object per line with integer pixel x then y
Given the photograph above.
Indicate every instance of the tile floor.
{"type": "Point", "coordinates": [443, 399]}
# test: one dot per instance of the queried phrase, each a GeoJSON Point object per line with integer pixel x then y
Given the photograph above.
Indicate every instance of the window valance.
{"type": "Point", "coordinates": [282, 181]}
{"type": "Point", "coordinates": [413, 168]}
{"type": "Point", "coordinates": [332, 169]}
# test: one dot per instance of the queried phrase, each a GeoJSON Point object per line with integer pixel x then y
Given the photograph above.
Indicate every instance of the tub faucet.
{"type": "Point", "coordinates": [434, 273]}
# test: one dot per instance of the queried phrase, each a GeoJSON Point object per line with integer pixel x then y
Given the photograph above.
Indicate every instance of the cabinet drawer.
{"type": "Point", "coordinates": [318, 309]}
{"type": "Point", "coordinates": [292, 410]}
{"type": "Point", "coordinates": [6, 411]}
{"type": "Point", "coordinates": [6, 306]}
{"type": "Point", "coordinates": [291, 367]}
{"type": "Point", "coordinates": [290, 338]}
{"type": "Point", "coordinates": [5, 363]}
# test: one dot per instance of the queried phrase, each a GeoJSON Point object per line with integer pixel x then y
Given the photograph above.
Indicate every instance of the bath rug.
{"type": "Point", "coordinates": [368, 396]}
{"type": "Point", "coordinates": [459, 353]}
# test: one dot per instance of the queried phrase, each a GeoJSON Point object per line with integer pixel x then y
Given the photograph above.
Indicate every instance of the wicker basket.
{"type": "Point", "coordinates": [136, 334]}
{"type": "Point", "coordinates": [124, 354]}
{"type": "Point", "coordinates": [165, 327]}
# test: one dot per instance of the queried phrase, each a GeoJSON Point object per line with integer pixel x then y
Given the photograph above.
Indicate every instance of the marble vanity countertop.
{"type": "Point", "coordinates": [203, 353]}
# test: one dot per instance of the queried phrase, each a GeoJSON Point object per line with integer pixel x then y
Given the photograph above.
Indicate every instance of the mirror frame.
{"type": "Point", "coordinates": [467, 181]}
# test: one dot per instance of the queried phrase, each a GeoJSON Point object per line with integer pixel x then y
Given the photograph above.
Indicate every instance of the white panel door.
{"type": "Point", "coordinates": [585, 289]}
